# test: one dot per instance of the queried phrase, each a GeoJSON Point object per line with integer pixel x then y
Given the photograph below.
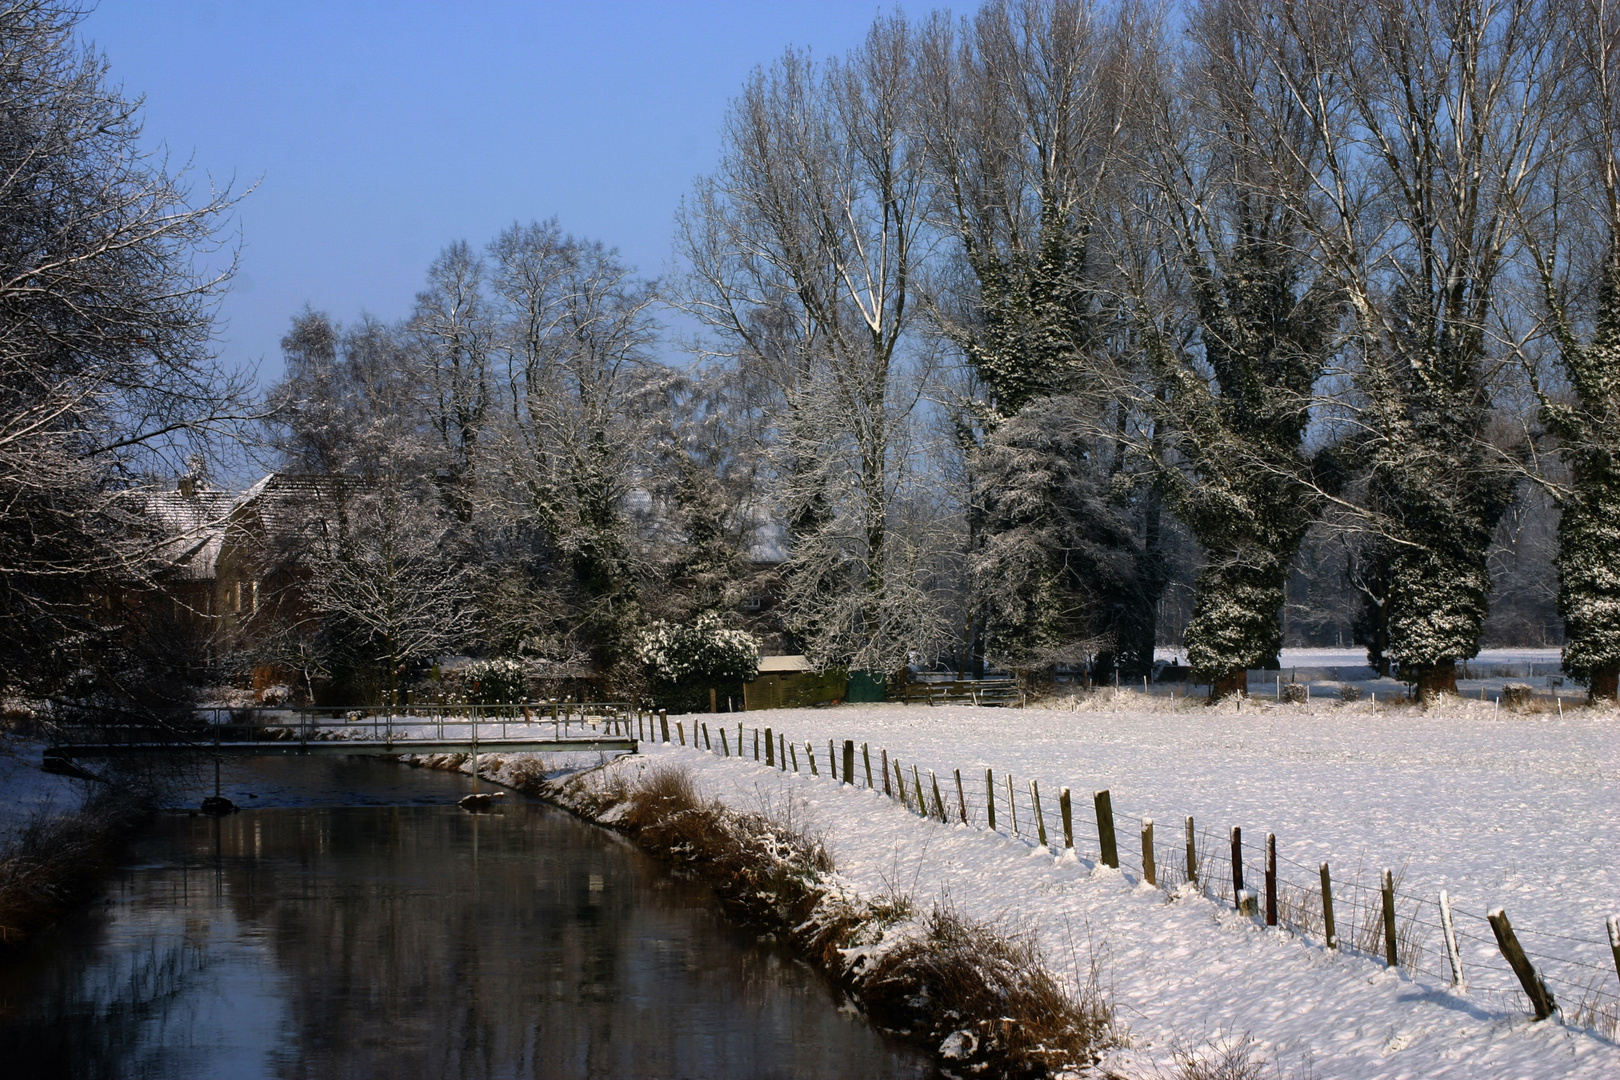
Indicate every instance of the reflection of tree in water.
{"type": "Point", "coordinates": [77, 1015]}
{"type": "Point", "coordinates": [390, 952]}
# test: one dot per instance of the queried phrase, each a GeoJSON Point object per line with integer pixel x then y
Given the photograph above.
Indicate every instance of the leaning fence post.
{"type": "Point", "coordinates": [1150, 870]}
{"type": "Point", "coordinates": [990, 797]}
{"type": "Point", "coordinates": [1192, 853]}
{"type": "Point", "coordinates": [832, 760]}
{"type": "Point", "coordinates": [725, 747]}
{"type": "Point", "coordinates": [663, 723]}
{"type": "Point", "coordinates": [1453, 954]}
{"type": "Point", "coordinates": [1012, 805]}
{"type": "Point", "coordinates": [916, 783]}
{"type": "Point", "coordinates": [1271, 879]}
{"type": "Point", "coordinates": [770, 747]}
{"type": "Point", "coordinates": [707, 745]}
{"type": "Point", "coordinates": [866, 760]}
{"type": "Point", "coordinates": [680, 732]}
{"type": "Point", "coordinates": [939, 804]}
{"type": "Point", "coordinates": [1040, 819]}
{"type": "Point", "coordinates": [849, 762]}
{"type": "Point", "coordinates": [961, 799]}
{"type": "Point", "coordinates": [1535, 988]}
{"type": "Point", "coordinates": [1067, 811]}
{"type": "Point", "coordinates": [1388, 890]}
{"type": "Point", "coordinates": [1104, 804]}
{"type": "Point", "coordinates": [1330, 932]}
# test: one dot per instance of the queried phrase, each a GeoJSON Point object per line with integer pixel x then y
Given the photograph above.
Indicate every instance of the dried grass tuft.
{"type": "Point", "coordinates": [987, 992]}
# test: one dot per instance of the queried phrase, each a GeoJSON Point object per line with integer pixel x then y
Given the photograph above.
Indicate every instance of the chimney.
{"type": "Point", "coordinates": [187, 486]}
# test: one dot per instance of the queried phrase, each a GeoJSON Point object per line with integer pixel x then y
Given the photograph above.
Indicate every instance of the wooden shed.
{"type": "Point", "coordinates": [786, 682]}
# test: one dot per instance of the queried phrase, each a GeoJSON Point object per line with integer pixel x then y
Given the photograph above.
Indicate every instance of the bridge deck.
{"type": "Point", "coordinates": [270, 747]}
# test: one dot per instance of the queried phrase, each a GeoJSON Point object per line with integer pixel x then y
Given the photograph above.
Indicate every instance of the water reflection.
{"type": "Point", "coordinates": [418, 941]}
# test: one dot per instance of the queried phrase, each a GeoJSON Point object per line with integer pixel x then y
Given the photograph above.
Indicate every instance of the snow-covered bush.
{"type": "Point", "coordinates": [702, 651]}
{"type": "Point", "coordinates": [493, 682]}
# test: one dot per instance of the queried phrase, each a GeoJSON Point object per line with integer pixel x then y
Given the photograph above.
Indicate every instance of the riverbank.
{"type": "Point", "coordinates": [1457, 794]}
{"type": "Point", "coordinates": [59, 836]}
{"type": "Point", "coordinates": [980, 995]}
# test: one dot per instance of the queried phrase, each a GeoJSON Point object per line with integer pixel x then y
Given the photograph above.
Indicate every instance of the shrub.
{"type": "Point", "coordinates": [494, 682]}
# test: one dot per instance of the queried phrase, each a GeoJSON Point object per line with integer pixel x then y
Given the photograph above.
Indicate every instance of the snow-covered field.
{"type": "Point", "coordinates": [1498, 808]}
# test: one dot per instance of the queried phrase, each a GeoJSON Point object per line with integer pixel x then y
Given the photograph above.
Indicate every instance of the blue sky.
{"type": "Point", "coordinates": [378, 132]}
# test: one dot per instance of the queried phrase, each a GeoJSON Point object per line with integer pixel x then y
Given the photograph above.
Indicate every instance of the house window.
{"type": "Point", "coordinates": [753, 601]}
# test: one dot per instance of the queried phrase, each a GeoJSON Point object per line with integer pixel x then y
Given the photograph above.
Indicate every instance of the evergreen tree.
{"type": "Point", "coordinates": [1589, 529]}
{"type": "Point", "coordinates": [1245, 492]}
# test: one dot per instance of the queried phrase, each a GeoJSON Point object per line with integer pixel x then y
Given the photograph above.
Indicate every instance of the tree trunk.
{"type": "Point", "coordinates": [1605, 682]}
{"type": "Point", "coordinates": [1224, 685]}
{"type": "Point", "coordinates": [1433, 680]}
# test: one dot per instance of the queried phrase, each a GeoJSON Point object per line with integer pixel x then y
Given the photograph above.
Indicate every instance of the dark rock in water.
{"type": "Point", "coordinates": [218, 805]}
{"type": "Point", "coordinates": [480, 801]}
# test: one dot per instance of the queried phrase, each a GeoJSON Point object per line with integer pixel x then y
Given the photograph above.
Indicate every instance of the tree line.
{"type": "Point", "coordinates": [1012, 325]}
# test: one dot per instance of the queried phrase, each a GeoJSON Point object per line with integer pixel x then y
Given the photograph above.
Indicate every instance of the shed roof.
{"type": "Point", "coordinates": [779, 664]}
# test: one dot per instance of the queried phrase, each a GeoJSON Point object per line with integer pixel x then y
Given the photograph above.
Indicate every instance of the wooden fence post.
{"type": "Point", "coordinates": [770, 747]}
{"type": "Point", "coordinates": [866, 761]}
{"type": "Point", "coordinates": [756, 744]}
{"type": "Point", "coordinates": [939, 803]}
{"type": "Point", "coordinates": [883, 764]}
{"type": "Point", "coordinates": [849, 762]}
{"type": "Point", "coordinates": [663, 723]}
{"type": "Point", "coordinates": [1150, 870]}
{"type": "Point", "coordinates": [1040, 819]}
{"type": "Point", "coordinates": [1271, 879]}
{"type": "Point", "coordinates": [1104, 804]}
{"type": "Point", "coordinates": [1388, 889]}
{"type": "Point", "coordinates": [1613, 925]}
{"type": "Point", "coordinates": [794, 750]}
{"type": "Point", "coordinates": [810, 752]}
{"type": "Point", "coordinates": [1237, 863]}
{"type": "Point", "coordinates": [781, 751]}
{"type": "Point", "coordinates": [1330, 932]}
{"type": "Point", "coordinates": [961, 797]}
{"type": "Point", "coordinates": [1192, 853]}
{"type": "Point", "coordinates": [707, 745]}
{"type": "Point", "coordinates": [1535, 988]}
{"type": "Point", "coordinates": [832, 760]}
{"type": "Point", "coordinates": [1453, 954]}
{"type": "Point", "coordinates": [680, 732]}
{"type": "Point", "coordinates": [990, 797]}
{"type": "Point", "coordinates": [1067, 812]}
{"type": "Point", "coordinates": [1012, 805]}
{"type": "Point", "coordinates": [916, 782]}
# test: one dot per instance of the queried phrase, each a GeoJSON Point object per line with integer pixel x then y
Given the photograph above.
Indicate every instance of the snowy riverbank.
{"type": "Point", "coordinates": [1500, 808]}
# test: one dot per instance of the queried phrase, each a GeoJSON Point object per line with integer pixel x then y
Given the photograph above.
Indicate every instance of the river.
{"type": "Point", "coordinates": [354, 922]}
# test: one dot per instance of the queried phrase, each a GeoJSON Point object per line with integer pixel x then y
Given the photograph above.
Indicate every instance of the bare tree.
{"type": "Point", "coordinates": [1023, 110]}
{"type": "Point", "coordinates": [106, 361]}
{"type": "Point", "coordinates": [1577, 245]}
{"type": "Point", "coordinates": [1431, 120]}
{"type": "Point", "coordinates": [573, 332]}
{"type": "Point", "coordinates": [453, 332]}
{"type": "Point", "coordinates": [805, 246]}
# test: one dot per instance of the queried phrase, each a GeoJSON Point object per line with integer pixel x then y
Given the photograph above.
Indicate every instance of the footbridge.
{"type": "Point", "coordinates": [545, 727]}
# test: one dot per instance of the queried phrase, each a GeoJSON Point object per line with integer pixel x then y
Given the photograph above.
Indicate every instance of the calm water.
{"type": "Point", "coordinates": [312, 937]}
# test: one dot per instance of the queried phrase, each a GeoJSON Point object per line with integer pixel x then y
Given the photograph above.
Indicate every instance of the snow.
{"type": "Point", "coordinates": [26, 790]}
{"type": "Point", "coordinates": [1500, 809]}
